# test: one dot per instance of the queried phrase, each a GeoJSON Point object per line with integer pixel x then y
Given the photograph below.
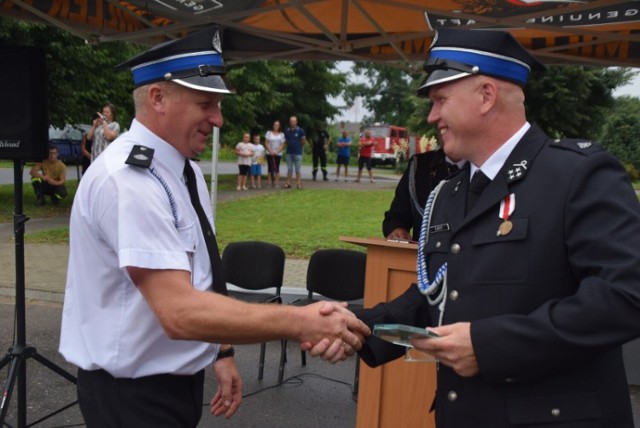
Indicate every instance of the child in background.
{"type": "Point", "coordinates": [256, 162]}
{"type": "Point", "coordinates": [244, 150]}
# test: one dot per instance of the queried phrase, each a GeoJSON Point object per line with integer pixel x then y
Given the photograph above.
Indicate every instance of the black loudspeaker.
{"type": "Point", "coordinates": [24, 131]}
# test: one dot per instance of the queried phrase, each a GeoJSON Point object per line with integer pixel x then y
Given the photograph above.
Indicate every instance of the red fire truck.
{"type": "Point", "coordinates": [392, 144]}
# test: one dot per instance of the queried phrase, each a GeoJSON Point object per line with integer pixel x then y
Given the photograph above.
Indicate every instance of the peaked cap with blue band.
{"type": "Point", "coordinates": [194, 61]}
{"type": "Point", "coordinates": [456, 53]}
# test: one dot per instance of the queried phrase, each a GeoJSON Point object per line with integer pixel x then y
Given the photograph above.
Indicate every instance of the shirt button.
{"type": "Point", "coordinates": [452, 396]}
{"type": "Point", "coordinates": [555, 412]}
{"type": "Point", "coordinates": [438, 244]}
{"type": "Point", "coordinates": [455, 248]}
{"type": "Point", "coordinates": [453, 295]}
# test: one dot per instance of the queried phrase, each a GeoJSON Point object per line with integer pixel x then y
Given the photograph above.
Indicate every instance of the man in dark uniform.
{"type": "Point", "coordinates": [424, 172]}
{"type": "Point", "coordinates": [532, 279]}
{"type": "Point", "coordinates": [319, 153]}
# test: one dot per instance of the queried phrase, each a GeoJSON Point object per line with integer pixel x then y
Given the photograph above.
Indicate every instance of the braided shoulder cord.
{"type": "Point", "coordinates": [413, 166]}
{"type": "Point", "coordinates": [430, 288]}
{"type": "Point", "coordinates": [172, 200]}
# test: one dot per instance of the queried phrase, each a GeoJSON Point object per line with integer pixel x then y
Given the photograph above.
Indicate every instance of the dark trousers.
{"type": "Point", "coordinates": [321, 158]}
{"type": "Point", "coordinates": [152, 401]}
{"type": "Point", "coordinates": [42, 188]}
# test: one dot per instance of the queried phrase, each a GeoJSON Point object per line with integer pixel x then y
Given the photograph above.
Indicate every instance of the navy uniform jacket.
{"type": "Point", "coordinates": [428, 169]}
{"type": "Point", "coordinates": [550, 303]}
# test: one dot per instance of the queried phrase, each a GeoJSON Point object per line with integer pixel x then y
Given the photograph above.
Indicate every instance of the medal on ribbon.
{"type": "Point", "coordinates": [507, 206]}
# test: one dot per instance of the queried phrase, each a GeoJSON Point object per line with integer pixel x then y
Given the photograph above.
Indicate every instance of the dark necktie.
{"type": "Point", "coordinates": [219, 283]}
{"type": "Point", "coordinates": [479, 182]}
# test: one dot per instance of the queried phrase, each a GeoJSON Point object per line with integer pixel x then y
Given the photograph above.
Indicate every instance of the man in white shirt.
{"type": "Point", "coordinates": [139, 319]}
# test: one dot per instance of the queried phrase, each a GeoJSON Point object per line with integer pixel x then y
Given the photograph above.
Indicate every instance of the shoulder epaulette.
{"type": "Point", "coordinates": [584, 147]}
{"type": "Point", "coordinates": [140, 156]}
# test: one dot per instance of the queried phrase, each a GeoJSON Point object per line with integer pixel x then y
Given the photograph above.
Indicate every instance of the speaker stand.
{"type": "Point", "coordinates": [18, 354]}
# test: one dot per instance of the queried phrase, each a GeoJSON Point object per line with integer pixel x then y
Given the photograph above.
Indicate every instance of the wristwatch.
{"type": "Point", "coordinates": [225, 351]}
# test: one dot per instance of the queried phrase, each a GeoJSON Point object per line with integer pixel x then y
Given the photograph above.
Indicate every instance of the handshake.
{"type": "Point", "coordinates": [331, 332]}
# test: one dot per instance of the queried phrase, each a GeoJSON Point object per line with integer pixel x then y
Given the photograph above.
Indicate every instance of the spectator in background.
{"type": "Point", "coordinates": [344, 154]}
{"type": "Point", "coordinates": [244, 150]}
{"type": "Point", "coordinates": [256, 162]}
{"type": "Point", "coordinates": [366, 147]}
{"type": "Point", "coordinates": [274, 145]}
{"type": "Point", "coordinates": [104, 130]}
{"type": "Point", "coordinates": [319, 153]}
{"type": "Point", "coordinates": [48, 177]}
{"type": "Point", "coordinates": [294, 137]}
{"type": "Point", "coordinates": [85, 147]}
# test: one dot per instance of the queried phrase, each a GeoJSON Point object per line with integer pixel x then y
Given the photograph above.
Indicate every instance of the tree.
{"type": "Point", "coordinates": [270, 90]}
{"type": "Point", "coordinates": [80, 76]}
{"type": "Point", "coordinates": [573, 101]}
{"type": "Point", "coordinates": [386, 92]}
{"type": "Point", "coordinates": [621, 133]}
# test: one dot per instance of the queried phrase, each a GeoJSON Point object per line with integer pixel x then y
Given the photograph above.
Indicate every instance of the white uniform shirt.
{"type": "Point", "coordinates": [122, 217]}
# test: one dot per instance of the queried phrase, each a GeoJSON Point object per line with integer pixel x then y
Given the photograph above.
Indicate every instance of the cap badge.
{"type": "Point", "coordinates": [216, 43]}
{"type": "Point", "coordinates": [584, 144]}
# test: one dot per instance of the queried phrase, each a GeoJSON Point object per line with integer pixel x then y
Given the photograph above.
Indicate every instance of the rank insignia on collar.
{"type": "Point", "coordinates": [584, 144]}
{"type": "Point", "coordinates": [140, 156]}
{"type": "Point", "coordinates": [516, 171]}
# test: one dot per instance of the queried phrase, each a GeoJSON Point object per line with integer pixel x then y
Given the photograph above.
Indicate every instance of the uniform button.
{"type": "Point", "coordinates": [438, 244]}
{"type": "Point", "coordinates": [453, 295]}
{"type": "Point", "coordinates": [452, 396]}
{"type": "Point", "coordinates": [508, 380]}
{"type": "Point", "coordinates": [455, 248]}
{"type": "Point", "coordinates": [555, 412]}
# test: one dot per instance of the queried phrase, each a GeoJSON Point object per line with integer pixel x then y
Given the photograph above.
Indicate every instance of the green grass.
{"type": "Point", "coordinates": [302, 222]}
{"type": "Point", "coordinates": [7, 202]}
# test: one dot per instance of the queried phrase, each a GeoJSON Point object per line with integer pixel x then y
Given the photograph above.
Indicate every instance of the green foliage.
{"type": "Point", "coordinates": [573, 101]}
{"type": "Point", "coordinates": [386, 92]}
{"type": "Point", "coordinates": [275, 90]}
{"type": "Point", "coordinates": [621, 133]}
{"type": "Point", "coordinates": [80, 76]}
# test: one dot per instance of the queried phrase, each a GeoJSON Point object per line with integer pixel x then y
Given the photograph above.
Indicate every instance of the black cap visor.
{"type": "Point", "coordinates": [442, 71]}
{"type": "Point", "coordinates": [212, 83]}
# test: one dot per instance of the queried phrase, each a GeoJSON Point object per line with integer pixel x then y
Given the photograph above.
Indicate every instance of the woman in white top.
{"type": "Point", "coordinates": [274, 143]}
{"type": "Point", "coordinates": [104, 130]}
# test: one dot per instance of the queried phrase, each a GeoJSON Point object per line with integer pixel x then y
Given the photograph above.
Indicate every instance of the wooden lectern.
{"type": "Point", "coordinates": [399, 393]}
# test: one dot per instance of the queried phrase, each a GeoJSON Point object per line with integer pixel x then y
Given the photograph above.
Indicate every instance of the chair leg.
{"type": "Point", "coordinates": [283, 360]}
{"type": "Point", "coordinates": [356, 378]}
{"type": "Point", "coordinates": [263, 348]}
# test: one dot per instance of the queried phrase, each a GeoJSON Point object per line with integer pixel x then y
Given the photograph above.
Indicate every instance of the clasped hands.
{"type": "Point", "coordinates": [453, 348]}
{"type": "Point", "coordinates": [345, 335]}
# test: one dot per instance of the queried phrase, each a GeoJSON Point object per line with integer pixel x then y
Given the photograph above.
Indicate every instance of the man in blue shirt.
{"type": "Point", "coordinates": [294, 140]}
{"type": "Point", "coordinates": [344, 154]}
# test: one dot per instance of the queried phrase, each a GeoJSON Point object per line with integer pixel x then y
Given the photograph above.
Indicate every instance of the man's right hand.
{"type": "Point", "coordinates": [332, 331]}
{"type": "Point", "coordinates": [399, 233]}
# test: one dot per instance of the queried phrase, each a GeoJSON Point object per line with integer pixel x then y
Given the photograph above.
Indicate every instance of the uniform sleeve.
{"type": "Point", "coordinates": [137, 222]}
{"type": "Point", "coordinates": [399, 213]}
{"type": "Point", "coordinates": [410, 308]}
{"type": "Point", "coordinates": [602, 234]}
